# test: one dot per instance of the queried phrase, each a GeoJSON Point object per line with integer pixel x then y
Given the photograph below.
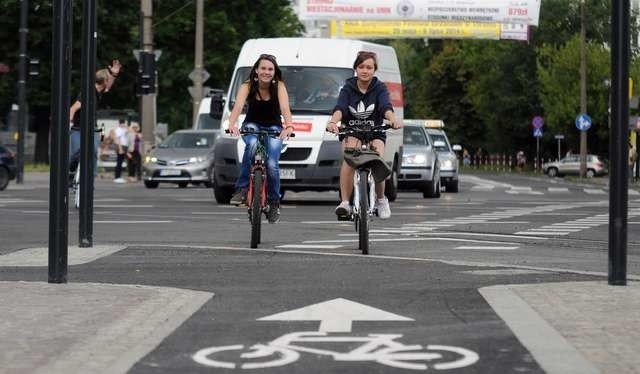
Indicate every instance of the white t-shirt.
{"type": "Point", "coordinates": [121, 135]}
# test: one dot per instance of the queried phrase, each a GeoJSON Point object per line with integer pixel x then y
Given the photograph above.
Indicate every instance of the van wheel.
{"type": "Point", "coordinates": [222, 195]}
{"type": "Point", "coordinates": [431, 189]}
{"type": "Point", "coordinates": [391, 186]}
{"type": "Point", "coordinates": [453, 186]}
{"type": "Point", "coordinates": [183, 184]}
{"type": "Point", "coordinates": [591, 173]}
{"type": "Point", "coordinates": [151, 184]}
{"type": "Point", "coordinates": [552, 172]}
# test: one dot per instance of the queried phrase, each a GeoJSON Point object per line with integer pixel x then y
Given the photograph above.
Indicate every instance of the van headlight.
{"type": "Point", "coordinates": [414, 159]}
{"type": "Point", "coordinates": [446, 164]}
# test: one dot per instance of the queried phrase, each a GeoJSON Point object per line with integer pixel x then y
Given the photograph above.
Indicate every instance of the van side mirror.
{"type": "Point", "coordinates": [217, 105]}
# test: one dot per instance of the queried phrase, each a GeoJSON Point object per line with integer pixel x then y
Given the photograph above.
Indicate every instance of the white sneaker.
{"type": "Point", "coordinates": [344, 209]}
{"type": "Point", "coordinates": [119, 180]}
{"type": "Point", "coordinates": [384, 211]}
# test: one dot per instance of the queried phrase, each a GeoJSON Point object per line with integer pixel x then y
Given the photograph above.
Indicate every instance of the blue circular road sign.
{"type": "Point", "coordinates": [583, 122]}
{"type": "Point", "coordinates": [537, 122]}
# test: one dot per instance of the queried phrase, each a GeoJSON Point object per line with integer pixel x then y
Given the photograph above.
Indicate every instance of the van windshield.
{"type": "Point", "coordinates": [311, 89]}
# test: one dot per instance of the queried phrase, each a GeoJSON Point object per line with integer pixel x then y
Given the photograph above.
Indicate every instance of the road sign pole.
{"type": "Point", "coordinates": [537, 153]}
{"type": "Point", "coordinates": [558, 149]}
{"type": "Point", "coordinates": [618, 148]}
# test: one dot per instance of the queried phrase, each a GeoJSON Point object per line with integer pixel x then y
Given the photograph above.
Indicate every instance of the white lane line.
{"type": "Point", "coordinates": [594, 191]}
{"type": "Point", "coordinates": [216, 213]}
{"type": "Point", "coordinates": [310, 246]}
{"type": "Point", "coordinates": [558, 189]}
{"type": "Point", "coordinates": [541, 233]}
{"type": "Point", "coordinates": [487, 247]}
{"type": "Point", "coordinates": [127, 222]}
{"type": "Point", "coordinates": [34, 211]}
{"type": "Point", "coordinates": [418, 239]}
{"type": "Point", "coordinates": [334, 222]}
{"type": "Point", "coordinates": [505, 272]}
{"type": "Point", "coordinates": [109, 200]}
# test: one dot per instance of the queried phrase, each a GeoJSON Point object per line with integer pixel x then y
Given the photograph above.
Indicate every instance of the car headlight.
{"type": "Point", "coordinates": [148, 159]}
{"type": "Point", "coordinates": [414, 159]}
{"type": "Point", "coordinates": [446, 164]}
{"type": "Point", "coordinates": [198, 159]}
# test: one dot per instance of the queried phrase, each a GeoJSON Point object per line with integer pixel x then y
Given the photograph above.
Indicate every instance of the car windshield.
{"type": "Point", "coordinates": [206, 122]}
{"type": "Point", "coordinates": [443, 139]}
{"type": "Point", "coordinates": [188, 140]}
{"type": "Point", "coordinates": [311, 89]}
{"type": "Point", "coordinates": [414, 136]}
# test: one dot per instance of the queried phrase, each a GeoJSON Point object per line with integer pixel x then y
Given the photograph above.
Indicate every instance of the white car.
{"type": "Point", "coordinates": [449, 163]}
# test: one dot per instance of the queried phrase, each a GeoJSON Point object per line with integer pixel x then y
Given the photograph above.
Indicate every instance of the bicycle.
{"type": "Point", "coordinates": [75, 175]}
{"type": "Point", "coordinates": [380, 348]}
{"type": "Point", "coordinates": [75, 187]}
{"type": "Point", "coordinates": [257, 201]}
{"type": "Point", "coordinates": [364, 193]}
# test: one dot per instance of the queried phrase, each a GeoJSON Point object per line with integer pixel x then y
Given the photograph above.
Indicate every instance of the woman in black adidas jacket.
{"type": "Point", "coordinates": [363, 100]}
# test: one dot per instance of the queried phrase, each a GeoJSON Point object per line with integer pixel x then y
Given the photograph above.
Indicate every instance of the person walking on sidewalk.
{"type": "Point", "coordinates": [135, 151]}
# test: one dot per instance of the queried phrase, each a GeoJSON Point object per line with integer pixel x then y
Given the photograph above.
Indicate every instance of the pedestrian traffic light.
{"type": "Point", "coordinates": [146, 78]}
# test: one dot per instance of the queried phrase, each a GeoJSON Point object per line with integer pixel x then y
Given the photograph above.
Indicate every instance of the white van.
{"type": "Point", "coordinates": [311, 160]}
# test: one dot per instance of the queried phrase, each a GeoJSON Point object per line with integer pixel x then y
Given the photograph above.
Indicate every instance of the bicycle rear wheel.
{"type": "Point", "coordinates": [256, 208]}
{"type": "Point", "coordinates": [363, 215]}
{"type": "Point", "coordinates": [76, 188]}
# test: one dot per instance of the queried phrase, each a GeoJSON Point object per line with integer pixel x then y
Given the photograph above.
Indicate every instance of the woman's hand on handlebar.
{"type": "Point", "coordinates": [234, 130]}
{"type": "Point", "coordinates": [286, 132]}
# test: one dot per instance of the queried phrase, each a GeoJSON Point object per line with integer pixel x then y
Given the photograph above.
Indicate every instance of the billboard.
{"type": "Point", "coordinates": [493, 11]}
{"type": "Point", "coordinates": [427, 29]}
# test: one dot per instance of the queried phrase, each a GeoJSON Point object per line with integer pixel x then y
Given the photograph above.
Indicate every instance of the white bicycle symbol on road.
{"type": "Point", "coordinates": [380, 348]}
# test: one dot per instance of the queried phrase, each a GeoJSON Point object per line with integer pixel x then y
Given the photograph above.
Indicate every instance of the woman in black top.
{"type": "Point", "coordinates": [268, 100]}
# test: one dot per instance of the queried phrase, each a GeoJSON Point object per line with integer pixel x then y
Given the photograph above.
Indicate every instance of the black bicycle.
{"type": "Point", "coordinates": [257, 191]}
{"type": "Point", "coordinates": [364, 159]}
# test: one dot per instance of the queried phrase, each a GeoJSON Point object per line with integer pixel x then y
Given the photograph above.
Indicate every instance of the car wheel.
{"type": "Point", "coordinates": [183, 184]}
{"type": "Point", "coordinates": [591, 173]}
{"type": "Point", "coordinates": [151, 184]}
{"type": "Point", "coordinates": [552, 172]}
{"type": "Point", "coordinates": [391, 186]}
{"type": "Point", "coordinates": [453, 186]}
{"type": "Point", "coordinates": [4, 178]}
{"type": "Point", "coordinates": [431, 189]}
{"type": "Point", "coordinates": [282, 194]}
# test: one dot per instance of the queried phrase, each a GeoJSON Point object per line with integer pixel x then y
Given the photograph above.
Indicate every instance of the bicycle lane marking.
{"type": "Point", "coordinates": [337, 316]}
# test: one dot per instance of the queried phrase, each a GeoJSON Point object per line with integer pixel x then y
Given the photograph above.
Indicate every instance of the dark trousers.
{"type": "Point", "coordinates": [133, 164]}
{"type": "Point", "coordinates": [119, 162]}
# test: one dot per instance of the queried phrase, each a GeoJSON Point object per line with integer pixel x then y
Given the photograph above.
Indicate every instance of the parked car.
{"type": "Point", "coordinates": [449, 163]}
{"type": "Point", "coordinates": [420, 167]}
{"type": "Point", "coordinates": [571, 165]}
{"type": "Point", "coordinates": [183, 157]}
{"type": "Point", "coordinates": [7, 167]}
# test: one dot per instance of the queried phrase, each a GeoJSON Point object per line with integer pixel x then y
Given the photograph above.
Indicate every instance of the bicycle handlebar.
{"type": "Point", "coordinates": [271, 133]}
{"type": "Point", "coordinates": [346, 130]}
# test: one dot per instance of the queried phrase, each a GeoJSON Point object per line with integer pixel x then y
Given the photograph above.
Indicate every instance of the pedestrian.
{"type": "Point", "coordinates": [121, 140]}
{"type": "Point", "coordinates": [104, 80]}
{"type": "Point", "coordinates": [134, 154]}
{"type": "Point", "coordinates": [466, 157]}
{"type": "Point", "coordinates": [521, 160]}
{"type": "Point", "coordinates": [268, 101]}
{"type": "Point", "coordinates": [365, 91]}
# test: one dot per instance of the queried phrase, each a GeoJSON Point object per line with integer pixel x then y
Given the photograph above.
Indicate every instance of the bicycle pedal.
{"type": "Point", "coordinates": [346, 217]}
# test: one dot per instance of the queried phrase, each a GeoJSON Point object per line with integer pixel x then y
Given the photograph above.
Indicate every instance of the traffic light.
{"type": "Point", "coordinates": [146, 78]}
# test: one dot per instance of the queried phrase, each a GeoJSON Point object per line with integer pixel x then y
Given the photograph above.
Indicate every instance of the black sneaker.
{"type": "Point", "coordinates": [239, 197]}
{"type": "Point", "coordinates": [273, 212]}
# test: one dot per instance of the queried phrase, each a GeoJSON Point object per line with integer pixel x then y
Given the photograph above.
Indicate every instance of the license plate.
{"type": "Point", "coordinates": [169, 172]}
{"type": "Point", "coordinates": [287, 173]}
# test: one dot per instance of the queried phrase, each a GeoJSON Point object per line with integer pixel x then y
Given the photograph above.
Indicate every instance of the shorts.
{"type": "Point", "coordinates": [363, 137]}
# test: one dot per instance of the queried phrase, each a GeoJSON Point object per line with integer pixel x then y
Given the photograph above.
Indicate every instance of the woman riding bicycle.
{"type": "Point", "coordinates": [268, 100]}
{"type": "Point", "coordinates": [363, 100]}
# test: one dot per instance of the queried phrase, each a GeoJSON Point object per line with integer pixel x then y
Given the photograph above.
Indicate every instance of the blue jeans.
{"type": "Point", "coordinates": [273, 146]}
{"type": "Point", "coordinates": [74, 150]}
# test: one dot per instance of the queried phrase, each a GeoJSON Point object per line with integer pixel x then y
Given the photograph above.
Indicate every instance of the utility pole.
{"type": "Point", "coordinates": [147, 102]}
{"type": "Point", "coordinates": [22, 89]}
{"type": "Point", "coordinates": [583, 86]}
{"type": "Point", "coordinates": [198, 71]}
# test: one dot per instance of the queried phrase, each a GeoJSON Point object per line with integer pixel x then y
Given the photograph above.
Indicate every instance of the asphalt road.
{"type": "Point", "coordinates": [307, 301]}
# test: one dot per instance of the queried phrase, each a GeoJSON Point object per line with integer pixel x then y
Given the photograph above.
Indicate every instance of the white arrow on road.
{"type": "Point", "coordinates": [335, 315]}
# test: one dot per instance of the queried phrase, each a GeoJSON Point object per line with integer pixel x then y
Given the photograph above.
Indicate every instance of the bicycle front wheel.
{"type": "Point", "coordinates": [363, 215]}
{"type": "Point", "coordinates": [256, 208]}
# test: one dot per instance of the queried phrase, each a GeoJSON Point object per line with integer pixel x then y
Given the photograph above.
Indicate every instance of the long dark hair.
{"type": "Point", "coordinates": [253, 78]}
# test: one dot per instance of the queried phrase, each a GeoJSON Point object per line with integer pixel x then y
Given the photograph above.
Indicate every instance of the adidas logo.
{"type": "Point", "coordinates": [361, 112]}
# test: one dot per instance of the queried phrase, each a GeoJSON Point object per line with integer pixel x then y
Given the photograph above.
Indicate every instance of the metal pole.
{"type": "Point", "coordinates": [59, 171]}
{"type": "Point", "coordinates": [558, 149]}
{"type": "Point", "coordinates": [22, 89]}
{"type": "Point", "coordinates": [147, 102]}
{"type": "Point", "coordinates": [618, 180]}
{"type": "Point", "coordinates": [87, 124]}
{"type": "Point", "coordinates": [583, 87]}
{"type": "Point", "coordinates": [198, 79]}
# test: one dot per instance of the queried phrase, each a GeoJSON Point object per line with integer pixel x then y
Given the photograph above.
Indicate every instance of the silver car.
{"type": "Point", "coordinates": [183, 157]}
{"type": "Point", "coordinates": [420, 168]}
{"type": "Point", "coordinates": [571, 165]}
{"type": "Point", "coordinates": [449, 163]}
